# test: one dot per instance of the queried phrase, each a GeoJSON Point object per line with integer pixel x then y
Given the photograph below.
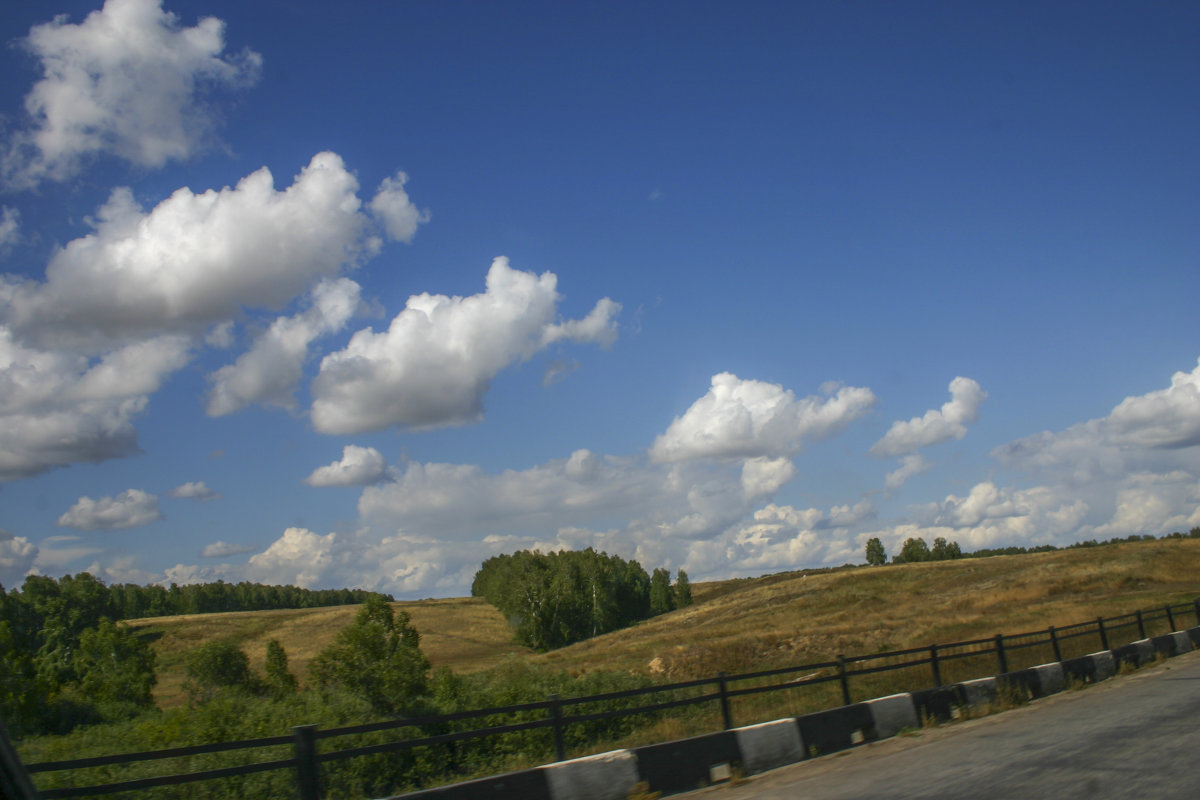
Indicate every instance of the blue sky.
{"type": "Point", "coordinates": [361, 298]}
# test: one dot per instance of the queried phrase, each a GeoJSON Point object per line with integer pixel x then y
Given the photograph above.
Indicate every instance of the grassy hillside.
{"type": "Point", "coordinates": [759, 623]}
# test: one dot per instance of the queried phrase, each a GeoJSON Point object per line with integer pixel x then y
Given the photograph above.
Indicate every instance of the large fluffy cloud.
{"type": "Point", "coordinates": [57, 408]}
{"type": "Point", "coordinates": [359, 466]}
{"type": "Point", "coordinates": [132, 508]}
{"type": "Point", "coordinates": [937, 425]}
{"type": "Point", "coordinates": [434, 363]}
{"type": "Point", "coordinates": [1157, 432]}
{"type": "Point", "coordinates": [270, 371]}
{"type": "Point", "coordinates": [129, 81]}
{"type": "Point", "coordinates": [125, 306]}
{"type": "Point", "coordinates": [747, 418]}
{"type": "Point", "coordinates": [198, 259]}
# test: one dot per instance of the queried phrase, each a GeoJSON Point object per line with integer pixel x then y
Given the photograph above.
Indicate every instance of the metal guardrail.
{"type": "Point", "coordinates": [1000, 650]}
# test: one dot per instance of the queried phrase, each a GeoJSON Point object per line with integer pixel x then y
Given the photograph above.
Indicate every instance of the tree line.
{"type": "Point", "coordinates": [65, 662]}
{"type": "Point", "coordinates": [915, 550]}
{"type": "Point", "coordinates": [554, 599]}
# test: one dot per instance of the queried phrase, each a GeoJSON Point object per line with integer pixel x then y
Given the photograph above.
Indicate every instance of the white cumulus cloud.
{"type": "Point", "coordinates": [198, 259]}
{"type": "Point", "coordinates": [748, 418]}
{"type": "Point", "coordinates": [393, 208]}
{"type": "Point", "coordinates": [270, 371]}
{"type": "Point", "coordinates": [129, 81]}
{"type": "Point", "coordinates": [359, 466]}
{"type": "Point", "coordinates": [17, 555]}
{"type": "Point", "coordinates": [58, 408]}
{"type": "Point", "coordinates": [193, 490]}
{"type": "Point", "coordinates": [764, 476]}
{"type": "Point", "coordinates": [434, 363]}
{"type": "Point", "coordinates": [132, 508]}
{"type": "Point", "coordinates": [937, 425]}
{"type": "Point", "coordinates": [1152, 433]}
{"type": "Point", "coordinates": [911, 464]}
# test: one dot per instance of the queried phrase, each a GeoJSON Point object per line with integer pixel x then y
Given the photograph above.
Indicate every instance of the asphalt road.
{"type": "Point", "coordinates": [1132, 736]}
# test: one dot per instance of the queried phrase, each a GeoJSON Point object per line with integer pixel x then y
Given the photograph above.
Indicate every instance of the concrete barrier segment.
{"type": "Point", "coordinates": [686, 764]}
{"type": "Point", "coordinates": [1135, 653]}
{"type": "Point", "coordinates": [1104, 664]}
{"type": "Point", "coordinates": [979, 692]}
{"type": "Point", "coordinates": [1051, 679]}
{"type": "Point", "coordinates": [770, 745]}
{"type": "Point", "coordinates": [892, 714]}
{"type": "Point", "coordinates": [1194, 635]}
{"type": "Point", "coordinates": [940, 704]}
{"type": "Point", "coordinates": [1182, 643]}
{"type": "Point", "coordinates": [607, 776]}
{"type": "Point", "coordinates": [835, 729]}
{"type": "Point", "coordinates": [1164, 645]}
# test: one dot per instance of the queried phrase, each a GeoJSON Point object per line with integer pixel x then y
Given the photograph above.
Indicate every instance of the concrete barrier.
{"type": "Point", "coordinates": [1050, 679]}
{"type": "Point", "coordinates": [940, 703]}
{"type": "Point", "coordinates": [835, 729]}
{"type": "Point", "coordinates": [892, 714]}
{"type": "Point", "coordinates": [687, 763]}
{"type": "Point", "coordinates": [769, 745]}
{"type": "Point", "coordinates": [607, 776]}
{"type": "Point", "coordinates": [980, 691]}
{"type": "Point", "coordinates": [1105, 664]}
{"type": "Point", "coordinates": [1194, 635]}
{"type": "Point", "coordinates": [1135, 653]}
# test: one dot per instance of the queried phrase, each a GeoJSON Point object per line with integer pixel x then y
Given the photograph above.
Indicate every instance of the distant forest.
{"type": "Point", "coordinates": [130, 601]}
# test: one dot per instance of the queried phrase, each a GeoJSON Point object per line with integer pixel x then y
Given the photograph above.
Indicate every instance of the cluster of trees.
{"type": "Point", "coordinates": [65, 662]}
{"type": "Point", "coordinates": [553, 599]}
{"type": "Point", "coordinates": [376, 659]}
{"type": "Point", "coordinates": [913, 550]}
{"type": "Point", "coordinates": [916, 550]}
{"type": "Point", "coordinates": [130, 601]}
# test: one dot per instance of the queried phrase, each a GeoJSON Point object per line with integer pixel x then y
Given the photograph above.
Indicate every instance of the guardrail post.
{"type": "Point", "coordinates": [1170, 618]}
{"type": "Point", "coordinates": [560, 747]}
{"type": "Point", "coordinates": [726, 714]}
{"type": "Point", "coordinates": [1054, 644]}
{"type": "Point", "coordinates": [1103, 634]}
{"type": "Point", "coordinates": [1141, 625]}
{"type": "Point", "coordinates": [1196, 603]}
{"type": "Point", "coordinates": [933, 663]}
{"type": "Point", "coordinates": [308, 778]}
{"type": "Point", "coordinates": [1001, 656]}
{"type": "Point", "coordinates": [845, 679]}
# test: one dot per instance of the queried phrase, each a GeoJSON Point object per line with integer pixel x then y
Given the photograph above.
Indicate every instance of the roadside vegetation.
{"type": "Point", "coordinates": [224, 677]}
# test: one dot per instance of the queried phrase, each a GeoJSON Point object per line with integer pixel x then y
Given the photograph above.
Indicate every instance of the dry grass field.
{"type": "Point", "coordinates": [760, 623]}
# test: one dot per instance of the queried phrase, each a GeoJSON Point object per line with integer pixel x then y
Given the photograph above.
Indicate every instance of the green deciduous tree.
{"type": "Point", "coordinates": [943, 550]}
{"type": "Point", "coordinates": [913, 551]}
{"type": "Point", "coordinates": [876, 555]}
{"type": "Point", "coordinates": [215, 666]}
{"type": "Point", "coordinates": [377, 658]}
{"type": "Point", "coordinates": [278, 680]}
{"type": "Point", "coordinates": [682, 590]}
{"type": "Point", "coordinates": [116, 670]}
{"type": "Point", "coordinates": [662, 599]}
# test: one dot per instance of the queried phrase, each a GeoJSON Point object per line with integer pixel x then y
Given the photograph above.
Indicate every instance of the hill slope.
{"type": "Point", "coordinates": [758, 623]}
